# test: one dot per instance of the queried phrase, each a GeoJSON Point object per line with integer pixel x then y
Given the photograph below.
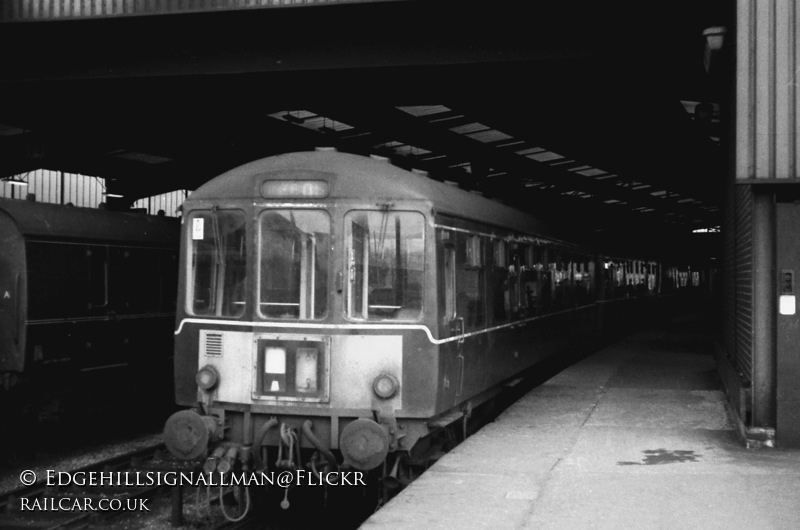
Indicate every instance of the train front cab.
{"type": "Point", "coordinates": [316, 312]}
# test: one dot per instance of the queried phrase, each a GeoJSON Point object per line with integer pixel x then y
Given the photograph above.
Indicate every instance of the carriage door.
{"type": "Point", "coordinates": [452, 350]}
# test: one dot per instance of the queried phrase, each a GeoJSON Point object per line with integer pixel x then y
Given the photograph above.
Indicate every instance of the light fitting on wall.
{"type": "Point", "coordinates": [715, 39]}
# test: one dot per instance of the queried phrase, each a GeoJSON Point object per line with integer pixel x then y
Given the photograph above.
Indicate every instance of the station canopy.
{"type": "Point", "coordinates": [610, 117]}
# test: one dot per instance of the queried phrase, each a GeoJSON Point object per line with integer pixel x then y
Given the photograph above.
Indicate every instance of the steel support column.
{"type": "Point", "coordinates": [764, 309]}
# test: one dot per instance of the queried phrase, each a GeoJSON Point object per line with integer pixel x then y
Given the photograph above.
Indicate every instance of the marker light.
{"type": "Point", "coordinates": [385, 386]}
{"type": "Point", "coordinates": [207, 377]}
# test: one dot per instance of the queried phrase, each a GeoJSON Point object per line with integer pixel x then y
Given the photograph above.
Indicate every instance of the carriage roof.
{"type": "Point", "coordinates": [363, 178]}
{"type": "Point", "coordinates": [54, 221]}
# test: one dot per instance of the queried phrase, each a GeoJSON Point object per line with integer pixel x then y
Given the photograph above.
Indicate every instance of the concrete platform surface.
{"type": "Point", "coordinates": [635, 436]}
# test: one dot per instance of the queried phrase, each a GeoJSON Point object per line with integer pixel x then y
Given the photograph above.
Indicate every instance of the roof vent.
{"type": "Point", "coordinates": [325, 149]}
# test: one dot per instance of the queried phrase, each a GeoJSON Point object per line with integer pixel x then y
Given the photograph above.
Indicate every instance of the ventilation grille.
{"type": "Point", "coordinates": [212, 345]}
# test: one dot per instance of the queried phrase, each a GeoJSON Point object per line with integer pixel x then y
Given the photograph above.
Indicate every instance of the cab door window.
{"type": "Point", "coordinates": [385, 264]}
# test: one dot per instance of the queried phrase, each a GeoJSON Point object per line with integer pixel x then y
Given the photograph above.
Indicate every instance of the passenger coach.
{"type": "Point", "coordinates": [338, 302]}
{"type": "Point", "coordinates": [87, 304]}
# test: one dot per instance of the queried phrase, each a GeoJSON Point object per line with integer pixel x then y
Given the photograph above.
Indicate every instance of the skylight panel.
{"type": "Point", "coordinates": [492, 135]}
{"type": "Point", "coordinates": [592, 172]}
{"type": "Point", "coordinates": [513, 143]}
{"type": "Point", "coordinates": [526, 152]}
{"type": "Point", "coordinates": [294, 116]}
{"type": "Point", "coordinates": [469, 128]}
{"type": "Point", "coordinates": [446, 118]}
{"type": "Point", "coordinates": [424, 110]}
{"type": "Point", "coordinates": [411, 150]}
{"type": "Point", "coordinates": [545, 157]}
{"type": "Point", "coordinates": [323, 124]}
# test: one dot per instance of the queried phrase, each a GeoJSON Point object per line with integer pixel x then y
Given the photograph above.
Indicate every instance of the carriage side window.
{"type": "Point", "coordinates": [385, 264]}
{"type": "Point", "coordinates": [558, 275]}
{"type": "Point", "coordinates": [583, 280]}
{"type": "Point", "coordinates": [135, 286]}
{"type": "Point", "coordinates": [499, 283]}
{"type": "Point", "coordinates": [217, 267]}
{"type": "Point", "coordinates": [293, 268]}
{"type": "Point", "coordinates": [523, 256]}
{"type": "Point", "coordinates": [97, 267]}
{"type": "Point", "coordinates": [58, 284]}
{"type": "Point", "coordinates": [543, 294]}
{"type": "Point", "coordinates": [514, 274]}
{"type": "Point", "coordinates": [471, 281]}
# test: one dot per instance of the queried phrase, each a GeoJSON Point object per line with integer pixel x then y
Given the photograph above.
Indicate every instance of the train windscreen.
{"type": "Point", "coordinates": [293, 272]}
{"type": "Point", "coordinates": [218, 263]}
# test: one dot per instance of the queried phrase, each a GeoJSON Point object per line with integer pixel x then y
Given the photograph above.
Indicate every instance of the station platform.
{"type": "Point", "coordinates": [636, 435]}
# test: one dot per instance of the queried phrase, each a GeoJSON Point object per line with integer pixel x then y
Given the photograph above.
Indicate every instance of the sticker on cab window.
{"type": "Point", "coordinates": [197, 228]}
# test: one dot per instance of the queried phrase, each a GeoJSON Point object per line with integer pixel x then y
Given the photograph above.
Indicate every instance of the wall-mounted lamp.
{"type": "Point", "coordinates": [715, 39]}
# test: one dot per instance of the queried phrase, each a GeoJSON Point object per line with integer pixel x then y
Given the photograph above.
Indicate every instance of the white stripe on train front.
{"type": "Point", "coordinates": [342, 327]}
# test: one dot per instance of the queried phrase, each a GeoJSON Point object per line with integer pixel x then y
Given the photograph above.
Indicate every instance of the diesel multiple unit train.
{"type": "Point", "coordinates": [340, 305]}
{"type": "Point", "coordinates": [87, 304]}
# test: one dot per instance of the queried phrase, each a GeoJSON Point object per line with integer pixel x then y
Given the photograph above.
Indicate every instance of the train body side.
{"type": "Point", "coordinates": [498, 292]}
{"type": "Point", "coordinates": [90, 293]}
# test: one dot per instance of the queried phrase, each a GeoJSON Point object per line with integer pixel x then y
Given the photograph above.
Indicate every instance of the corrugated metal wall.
{"type": "Point", "coordinates": [768, 99]}
{"type": "Point", "coordinates": [169, 203]}
{"type": "Point", "coordinates": [743, 274]}
{"type": "Point", "coordinates": [767, 159]}
{"type": "Point", "coordinates": [57, 187]}
{"type": "Point", "coordinates": [25, 10]}
{"type": "Point", "coordinates": [727, 338]}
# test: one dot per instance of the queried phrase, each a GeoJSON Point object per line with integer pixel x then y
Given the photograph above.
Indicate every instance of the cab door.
{"type": "Point", "coordinates": [451, 324]}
